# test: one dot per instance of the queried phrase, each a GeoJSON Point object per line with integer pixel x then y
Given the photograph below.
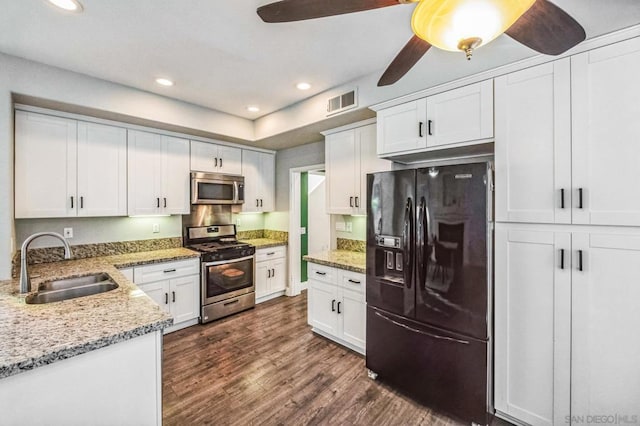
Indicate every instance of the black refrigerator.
{"type": "Point", "coordinates": [428, 286]}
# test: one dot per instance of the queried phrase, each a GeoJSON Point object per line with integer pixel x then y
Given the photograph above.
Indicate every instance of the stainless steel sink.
{"type": "Point", "coordinates": [70, 288]}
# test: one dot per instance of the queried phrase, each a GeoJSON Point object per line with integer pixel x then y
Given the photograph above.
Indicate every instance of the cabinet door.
{"type": "Point", "coordinates": [402, 127]}
{"type": "Point", "coordinates": [460, 115]}
{"type": "Point", "coordinates": [278, 275]}
{"type": "Point", "coordinates": [45, 166]}
{"type": "Point", "coordinates": [605, 107]}
{"type": "Point", "coordinates": [144, 166]}
{"type": "Point", "coordinates": [175, 176]}
{"type": "Point", "coordinates": [532, 325]}
{"type": "Point", "coordinates": [323, 300]}
{"type": "Point", "coordinates": [268, 178]}
{"type": "Point", "coordinates": [159, 292]}
{"type": "Point", "coordinates": [341, 172]}
{"type": "Point", "coordinates": [102, 170]}
{"type": "Point", "coordinates": [204, 157]}
{"type": "Point", "coordinates": [252, 181]}
{"type": "Point", "coordinates": [353, 312]}
{"type": "Point", "coordinates": [185, 298]}
{"type": "Point", "coordinates": [605, 347]}
{"type": "Point", "coordinates": [230, 160]}
{"type": "Point", "coordinates": [533, 144]}
{"type": "Point", "coordinates": [369, 163]}
{"type": "Point", "coordinates": [263, 275]}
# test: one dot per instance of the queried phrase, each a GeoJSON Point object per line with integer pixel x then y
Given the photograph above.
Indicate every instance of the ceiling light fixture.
{"type": "Point", "coordinates": [465, 24]}
{"type": "Point", "coordinates": [68, 5]}
{"type": "Point", "coordinates": [253, 108]}
{"type": "Point", "coordinates": [303, 86]}
{"type": "Point", "coordinates": [164, 82]}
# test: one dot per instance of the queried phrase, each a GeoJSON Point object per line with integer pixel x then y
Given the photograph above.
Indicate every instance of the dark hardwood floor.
{"type": "Point", "coordinates": [266, 367]}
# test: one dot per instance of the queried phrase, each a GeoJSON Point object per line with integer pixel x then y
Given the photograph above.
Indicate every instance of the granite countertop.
{"type": "Point", "coordinates": [261, 243]}
{"type": "Point", "coordinates": [36, 335]}
{"type": "Point", "coordinates": [343, 259]}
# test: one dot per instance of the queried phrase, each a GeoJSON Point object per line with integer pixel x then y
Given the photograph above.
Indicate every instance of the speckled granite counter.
{"type": "Point", "coordinates": [36, 335]}
{"type": "Point", "coordinates": [261, 243]}
{"type": "Point", "coordinates": [343, 259]}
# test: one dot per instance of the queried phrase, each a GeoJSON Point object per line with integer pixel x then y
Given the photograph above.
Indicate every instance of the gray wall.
{"type": "Point", "coordinates": [299, 156]}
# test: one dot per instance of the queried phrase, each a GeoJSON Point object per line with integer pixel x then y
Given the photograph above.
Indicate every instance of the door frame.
{"type": "Point", "coordinates": [295, 286]}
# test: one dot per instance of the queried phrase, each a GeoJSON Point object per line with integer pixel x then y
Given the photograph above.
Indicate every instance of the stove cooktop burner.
{"type": "Point", "coordinates": [217, 245]}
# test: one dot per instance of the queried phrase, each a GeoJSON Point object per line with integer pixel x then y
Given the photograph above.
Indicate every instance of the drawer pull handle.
{"type": "Point", "coordinates": [166, 271]}
{"type": "Point", "coordinates": [321, 273]}
{"type": "Point", "coordinates": [271, 253]}
{"type": "Point", "coordinates": [230, 303]}
{"type": "Point", "coordinates": [354, 281]}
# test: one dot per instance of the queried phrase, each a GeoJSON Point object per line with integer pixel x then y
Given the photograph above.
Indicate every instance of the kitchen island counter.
{"type": "Point", "coordinates": [344, 259]}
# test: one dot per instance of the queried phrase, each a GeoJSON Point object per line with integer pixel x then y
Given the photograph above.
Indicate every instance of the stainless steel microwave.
{"type": "Point", "coordinates": [214, 188]}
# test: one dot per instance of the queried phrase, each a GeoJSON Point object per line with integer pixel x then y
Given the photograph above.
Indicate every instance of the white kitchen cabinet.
{"type": "Point", "coordinates": [533, 144]}
{"type": "Point", "coordinates": [209, 157]}
{"type": "Point", "coordinates": [175, 287]}
{"type": "Point", "coordinates": [158, 174]}
{"type": "Point", "coordinates": [532, 324]}
{"type": "Point", "coordinates": [605, 92]}
{"type": "Point", "coordinates": [258, 169]}
{"type": "Point", "coordinates": [401, 128]}
{"type": "Point", "coordinates": [68, 168]}
{"type": "Point", "coordinates": [563, 341]}
{"type": "Point", "coordinates": [350, 154]}
{"type": "Point", "coordinates": [336, 305]}
{"type": "Point", "coordinates": [460, 115]}
{"type": "Point", "coordinates": [457, 117]}
{"type": "Point", "coordinates": [271, 273]}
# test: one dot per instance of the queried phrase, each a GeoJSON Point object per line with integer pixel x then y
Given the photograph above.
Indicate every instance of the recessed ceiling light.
{"type": "Point", "coordinates": [68, 5]}
{"type": "Point", "coordinates": [253, 108]}
{"type": "Point", "coordinates": [303, 86]}
{"type": "Point", "coordinates": [164, 82]}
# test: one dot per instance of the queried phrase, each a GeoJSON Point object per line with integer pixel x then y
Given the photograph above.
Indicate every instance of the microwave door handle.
{"type": "Point", "coordinates": [236, 195]}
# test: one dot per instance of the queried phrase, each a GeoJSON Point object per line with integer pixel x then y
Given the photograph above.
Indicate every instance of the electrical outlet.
{"type": "Point", "coordinates": [155, 228]}
{"type": "Point", "coordinates": [238, 222]}
{"type": "Point", "coordinates": [349, 227]}
{"type": "Point", "coordinates": [68, 233]}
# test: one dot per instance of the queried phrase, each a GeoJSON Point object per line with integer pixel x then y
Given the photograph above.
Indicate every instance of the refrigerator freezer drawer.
{"type": "Point", "coordinates": [441, 370]}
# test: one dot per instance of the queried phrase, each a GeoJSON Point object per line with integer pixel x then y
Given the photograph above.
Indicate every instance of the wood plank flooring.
{"type": "Point", "coordinates": [266, 367]}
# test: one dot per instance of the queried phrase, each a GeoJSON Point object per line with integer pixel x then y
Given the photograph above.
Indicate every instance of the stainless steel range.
{"type": "Point", "coordinates": [228, 270]}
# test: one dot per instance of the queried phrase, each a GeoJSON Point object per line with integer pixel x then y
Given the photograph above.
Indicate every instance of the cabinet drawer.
{"type": "Point", "coordinates": [353, 281]}
{"type": "Point", "coordinates": [163, 271]}
{"type": "Point", "coordinates": [270, 253]}
{"type": "Point", "coordinates": [322, 273]}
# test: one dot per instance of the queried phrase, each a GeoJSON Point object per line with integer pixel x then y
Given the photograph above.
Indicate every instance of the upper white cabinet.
{"type": "Point", "coordinates": [566, 140]}
{"type": "Point", "coordinates": [605, 92]}
{"type": "Point", "coordinates": [453, 118]}
{"type": "Point", "coordinates": [68, 168]}
{"type": "Point", "coordinates": [258, 169]}
{"type": "Point", "coordinates": [460, 115]}
{"type": "Point", "coordinates": [158, 174]}
{"type": "Point", "coordinates": [209, 157]}
{"type": "Point", "coordinates": [351, 154]}
{"type": "Point", "coordinates": [533, 144]}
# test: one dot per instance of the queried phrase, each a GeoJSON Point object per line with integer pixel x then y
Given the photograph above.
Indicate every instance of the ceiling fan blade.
{"type": "Point", "coordinates": [547, 29]}
{"type": "Point", "coordinates": [404, 61]}
{"type": "Point", "coordinates": [299, 10]}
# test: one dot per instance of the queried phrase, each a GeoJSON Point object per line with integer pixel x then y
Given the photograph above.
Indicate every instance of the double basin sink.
{"type": "Point", "coordinates": [71, 288]}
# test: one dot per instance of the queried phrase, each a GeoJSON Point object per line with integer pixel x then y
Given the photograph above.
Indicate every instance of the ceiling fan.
{"type": "Point", "coordinates": [454, 25]}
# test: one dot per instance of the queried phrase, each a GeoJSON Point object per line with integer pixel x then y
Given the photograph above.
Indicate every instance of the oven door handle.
{"type": "Point", "coordinates": [226, 262]}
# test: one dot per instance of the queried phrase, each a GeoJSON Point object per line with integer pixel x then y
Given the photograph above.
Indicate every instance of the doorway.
{"type": "Point", "coordinates": [309, 224]}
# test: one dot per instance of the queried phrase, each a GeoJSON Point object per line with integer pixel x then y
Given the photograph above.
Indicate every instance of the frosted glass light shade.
{"type": "Point", "coordinates": [445, 23]}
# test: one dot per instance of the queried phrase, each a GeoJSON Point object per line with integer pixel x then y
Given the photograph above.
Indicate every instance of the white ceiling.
{"type": "Point", "coordinates": [222, 56]}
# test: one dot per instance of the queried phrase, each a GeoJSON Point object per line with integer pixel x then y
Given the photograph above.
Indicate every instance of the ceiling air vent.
{"type": "Point", "coordinates": [342, 102]}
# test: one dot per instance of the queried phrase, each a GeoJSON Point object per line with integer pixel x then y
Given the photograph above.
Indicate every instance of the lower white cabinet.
{"type": "Point", "coordinates": [271, 273]}
{"type": "Point", "coordinates": [175, 287]}
{"type": "Point", "coordinates": [336, 305]}
{"type": "Point", "coordinates": [566, 320]}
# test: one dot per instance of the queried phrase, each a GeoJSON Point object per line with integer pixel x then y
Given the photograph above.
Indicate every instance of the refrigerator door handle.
{"type": "Point", "coordinates": [422, 230]}
{"type": "Point", "coordinates": [424, 333]}
{"type": "Point", "coordinates": [407, 243]}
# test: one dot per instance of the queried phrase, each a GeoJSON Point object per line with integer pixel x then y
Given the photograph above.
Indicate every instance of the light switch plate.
{"type": "Point", "coordinates": [155, 228]}
{"type": "Point", "coordinates": [340, 226]}
{"type": "Point", "coordinates": [303, 230]}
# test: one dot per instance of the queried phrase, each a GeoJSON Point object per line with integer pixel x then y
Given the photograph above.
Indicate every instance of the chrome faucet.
{"type": "Point", "coordinates": [25, 282]}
